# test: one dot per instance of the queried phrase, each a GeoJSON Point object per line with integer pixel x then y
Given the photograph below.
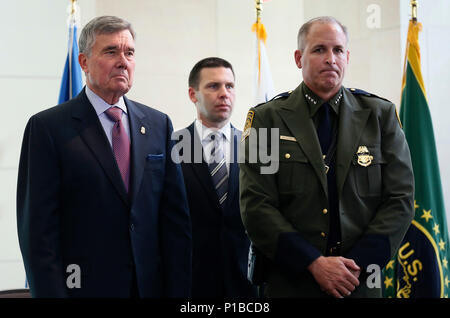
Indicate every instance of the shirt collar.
{"type": "Point", "coordinates": [314, 102]}
{"type": "Point", "coordinates": [100, 105]}
{"type": "Point", "coordinates": [204, 132]}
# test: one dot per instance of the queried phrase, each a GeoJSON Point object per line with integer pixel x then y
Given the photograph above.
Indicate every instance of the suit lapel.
{"type": "Point", "coordinates": [140, 134]}
{"type": "Point", "coordinates": [295, 115]}
{"type": "Point", "coordinates": [201, 169]}
{"type": "Point", "coordinates": [93, 134]}
{"type": "Point", "coordinates": [352, 121]}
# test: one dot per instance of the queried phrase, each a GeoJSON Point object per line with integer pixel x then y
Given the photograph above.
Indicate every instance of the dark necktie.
{"type": "Point", "coordinates": [218, 169]}
{"type": "Point", "coordinates": [324, 128]}
{"type": "Point", "coordinates": [120, 144]}
{"type": "Point", "coordinates": [325, 134]}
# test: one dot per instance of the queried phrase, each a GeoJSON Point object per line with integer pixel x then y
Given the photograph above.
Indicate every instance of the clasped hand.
{"type": "Point", "coordinates": [337, 276]}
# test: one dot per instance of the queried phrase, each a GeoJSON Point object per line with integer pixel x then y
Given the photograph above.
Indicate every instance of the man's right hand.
{"type": "Point", "coordinates": [337, 276]}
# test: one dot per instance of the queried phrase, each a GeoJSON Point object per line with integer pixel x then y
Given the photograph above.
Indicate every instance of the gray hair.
{"type": "Point", "coordinates": [101, 25]}
{"type": "Point", "coordinates": [304, 30]}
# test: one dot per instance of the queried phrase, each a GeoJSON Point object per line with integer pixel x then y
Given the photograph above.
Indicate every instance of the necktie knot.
{"type": "Point", "coordinates": [215, 136]}
{"type": "Point", "coordinates": [216, 153]}
{"type": "Point", "coordinates": [114, 113]}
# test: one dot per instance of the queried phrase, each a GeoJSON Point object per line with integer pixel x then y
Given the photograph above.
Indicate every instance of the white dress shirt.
{"type": "Point", "coordinates": [225, 140]}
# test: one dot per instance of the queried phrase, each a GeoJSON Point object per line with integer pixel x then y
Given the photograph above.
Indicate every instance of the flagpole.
{"type": "Point", "coordinates": [414, 4]}
{"type": "Point", "coordinates": [71, 36]}
{"type": "Point", "coordinates": [73, 7]}
{"type": "Point", "coordinates": [258, 6]}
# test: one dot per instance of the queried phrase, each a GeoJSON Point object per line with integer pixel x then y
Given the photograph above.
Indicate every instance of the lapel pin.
{"type": "Point", "coordinates": [143, 130]}
{"type": "Point", "coordinates": [364, 157]}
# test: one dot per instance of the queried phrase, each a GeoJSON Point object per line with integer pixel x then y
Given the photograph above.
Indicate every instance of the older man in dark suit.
{"type": "Point", "coordinates": [211, 173]}
{"type": "Point", "coordinates": [101, 207]}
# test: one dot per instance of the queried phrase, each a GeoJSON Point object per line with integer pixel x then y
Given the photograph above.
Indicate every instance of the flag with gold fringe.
{"type": "Point", "coordinates": [420, 268]}
{"type": "Point", "coordinates": [264, 89]}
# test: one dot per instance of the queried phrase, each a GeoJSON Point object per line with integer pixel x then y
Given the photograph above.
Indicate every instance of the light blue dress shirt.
{"type": "Point", "coordinates": [101, 106]}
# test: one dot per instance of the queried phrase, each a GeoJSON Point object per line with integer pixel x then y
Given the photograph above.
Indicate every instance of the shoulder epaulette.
{"type": "Point", "coordinates": [282, 95]}
{"type": "Point", "coordinates": [357, 91]}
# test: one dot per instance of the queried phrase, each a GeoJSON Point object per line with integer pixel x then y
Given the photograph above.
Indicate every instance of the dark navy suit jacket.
{"type": "Point", "coordinates": [220, 244]}
{"type": "Point", "coordinates": [72, 206]}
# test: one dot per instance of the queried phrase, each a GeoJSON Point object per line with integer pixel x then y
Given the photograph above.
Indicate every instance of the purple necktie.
{"type": "Point", "coordinates": [120, 144]}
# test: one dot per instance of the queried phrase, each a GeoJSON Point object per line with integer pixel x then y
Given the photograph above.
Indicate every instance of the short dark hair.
{"type": "Point", "coordinates": [209, 62]}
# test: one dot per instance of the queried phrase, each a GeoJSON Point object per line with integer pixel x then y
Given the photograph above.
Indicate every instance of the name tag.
{"type": "Point", "coordinates": [289, 138]}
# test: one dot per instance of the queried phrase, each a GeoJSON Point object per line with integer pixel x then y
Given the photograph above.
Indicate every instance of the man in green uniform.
{"type": "Point", "coordinates": [341, 199]}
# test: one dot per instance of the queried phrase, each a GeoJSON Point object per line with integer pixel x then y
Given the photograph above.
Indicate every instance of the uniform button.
{"type": "Point", "coordinates": [323, 234]}
{"type": "Point", "coordinates": [132, 227]}
{"type": "Point", "coordinates": [287, 156]}
{"type": "Point", "coordinates": [324, 211]}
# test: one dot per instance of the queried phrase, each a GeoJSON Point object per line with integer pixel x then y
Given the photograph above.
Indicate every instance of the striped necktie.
{"type": "Point", "coordinates": [218, 169]}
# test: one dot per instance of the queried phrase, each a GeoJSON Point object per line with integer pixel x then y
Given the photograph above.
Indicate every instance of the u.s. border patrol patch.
{"type": "Point", "coordinates": [248, 124]}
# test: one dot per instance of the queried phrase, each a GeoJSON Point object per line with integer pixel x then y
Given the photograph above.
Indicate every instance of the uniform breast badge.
{"type": "Point", "coordinates": [364, 157]}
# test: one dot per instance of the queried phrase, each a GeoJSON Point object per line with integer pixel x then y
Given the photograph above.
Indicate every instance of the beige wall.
{"type": "Point", "coordinates": [173, 35]}
{"type": "Point", "coordinates": [32, 54]}
{"type": "Point", "coordinates": [172, 38]}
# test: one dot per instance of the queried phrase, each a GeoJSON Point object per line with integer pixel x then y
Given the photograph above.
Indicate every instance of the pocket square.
{"type": "Point", "coordinates": [155, 156]}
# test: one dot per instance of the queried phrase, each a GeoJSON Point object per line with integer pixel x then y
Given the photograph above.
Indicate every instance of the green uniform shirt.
{"type": "Point", "coordinates": [286, 212]}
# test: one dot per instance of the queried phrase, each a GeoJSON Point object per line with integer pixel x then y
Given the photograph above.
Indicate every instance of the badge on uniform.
{"type": "Point", "coordinates": [364, 157]}
{"type": "Point", "coordinates": [248, 125]}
